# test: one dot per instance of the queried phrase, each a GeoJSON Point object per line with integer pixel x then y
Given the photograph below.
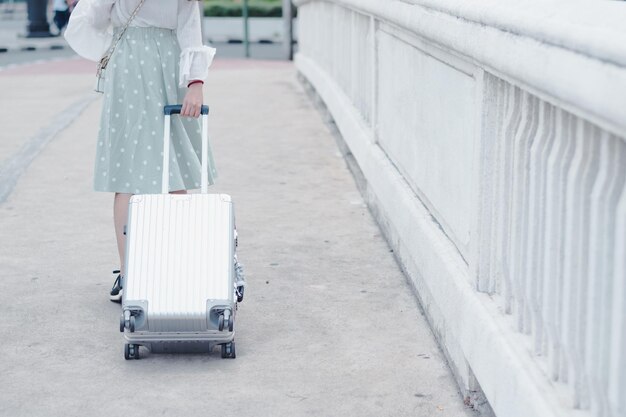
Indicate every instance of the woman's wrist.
{"type": "Point", "coordinates": [194, 82]}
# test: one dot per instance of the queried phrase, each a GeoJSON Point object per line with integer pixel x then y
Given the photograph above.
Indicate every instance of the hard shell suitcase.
{"type": "Point", "coordinates": [181, 281]}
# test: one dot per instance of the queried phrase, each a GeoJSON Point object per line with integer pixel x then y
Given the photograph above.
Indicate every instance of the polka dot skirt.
{"type": "Point", "coordinates": [141, 78]}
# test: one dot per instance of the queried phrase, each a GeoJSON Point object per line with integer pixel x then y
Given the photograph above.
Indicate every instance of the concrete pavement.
{"type": "Point", "coordinates": [329, 326]}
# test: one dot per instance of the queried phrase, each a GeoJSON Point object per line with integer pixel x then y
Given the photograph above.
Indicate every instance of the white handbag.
{"type": "Point", "coordinates": [99, 87]}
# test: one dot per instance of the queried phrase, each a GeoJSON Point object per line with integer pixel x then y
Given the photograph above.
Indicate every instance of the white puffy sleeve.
{"type": "Point", "coordinates": [195, 58]}
{"type": "Point", "coordinates": [89, 31]}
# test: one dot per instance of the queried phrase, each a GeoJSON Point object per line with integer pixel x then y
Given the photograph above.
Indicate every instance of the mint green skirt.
{"type": "Point", "coordinates": [141, 78]}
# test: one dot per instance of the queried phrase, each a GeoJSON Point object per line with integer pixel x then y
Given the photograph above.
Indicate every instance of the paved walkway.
{"type": "Point", "coordinates": [329, 326]}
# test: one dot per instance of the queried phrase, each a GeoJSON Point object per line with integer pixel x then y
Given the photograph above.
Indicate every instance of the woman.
{"type": "Point", "coordinates": [158, 60]}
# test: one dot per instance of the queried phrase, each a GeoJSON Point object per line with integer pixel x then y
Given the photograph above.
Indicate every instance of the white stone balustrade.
{"type": "Point", "coordinates": [491, 138]}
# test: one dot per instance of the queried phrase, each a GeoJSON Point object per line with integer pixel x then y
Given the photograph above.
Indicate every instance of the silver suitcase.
{"type": "Point", "coordinates": [181, 284]}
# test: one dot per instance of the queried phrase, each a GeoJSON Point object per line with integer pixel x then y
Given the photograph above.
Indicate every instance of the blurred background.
{"type": "Point", "coordinates": [31, 30]}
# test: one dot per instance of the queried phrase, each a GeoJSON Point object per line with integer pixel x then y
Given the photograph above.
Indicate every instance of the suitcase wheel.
{"type": "Point", "coordinates": [225, 320]}
{"type": "Point", "coordinates": [131, 323]}
{"type": "Point", "coordinates": [223, 323]}
{"type": "Point", "coordinates": [131, 351]}
{"type": "Point", "coordinates": [228, 350]}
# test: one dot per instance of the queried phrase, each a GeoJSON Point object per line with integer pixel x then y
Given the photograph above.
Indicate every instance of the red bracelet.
{"type": "Point", "coordinates": [194, 82]}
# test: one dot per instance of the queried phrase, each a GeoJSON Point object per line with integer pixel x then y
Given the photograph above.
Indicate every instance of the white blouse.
{"type": "Point", "coordinates": [91, 24]}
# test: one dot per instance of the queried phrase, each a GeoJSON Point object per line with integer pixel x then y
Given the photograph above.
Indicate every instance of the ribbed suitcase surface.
{"type": "Point", "coordinates": [180, 259]}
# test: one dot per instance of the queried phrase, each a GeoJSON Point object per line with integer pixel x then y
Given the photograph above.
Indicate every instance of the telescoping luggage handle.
{"type": "Point", "coordinates": [165, 181]}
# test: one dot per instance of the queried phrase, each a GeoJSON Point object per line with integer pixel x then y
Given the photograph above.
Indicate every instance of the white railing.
{"type": "Point", "coordinates": [491, 138]}
{"type": "Point", "coordinates": [551, 247]}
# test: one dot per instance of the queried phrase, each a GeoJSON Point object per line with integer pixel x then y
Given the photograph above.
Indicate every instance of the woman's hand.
{"type": "Point", "coordinates": [193, 101]}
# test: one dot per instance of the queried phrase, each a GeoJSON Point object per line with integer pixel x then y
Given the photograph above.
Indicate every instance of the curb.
{"type": "Point", "coordinates": [58, 46]}
{"type": "Point", "coordinates": [26, 47]}
{"type": "Point", "coordinates": [228, 40]}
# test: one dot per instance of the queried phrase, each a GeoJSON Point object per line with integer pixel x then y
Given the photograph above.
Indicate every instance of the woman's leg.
{"type": "Point", "coordinates": [120, 215]}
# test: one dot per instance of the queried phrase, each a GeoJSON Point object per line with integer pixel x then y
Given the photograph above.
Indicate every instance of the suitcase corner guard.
{"type": "Point", "coordinates": [220, 315]}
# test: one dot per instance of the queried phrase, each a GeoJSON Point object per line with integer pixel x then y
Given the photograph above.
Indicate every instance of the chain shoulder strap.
{"type": "Point", "coordinates": [105, 59]}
